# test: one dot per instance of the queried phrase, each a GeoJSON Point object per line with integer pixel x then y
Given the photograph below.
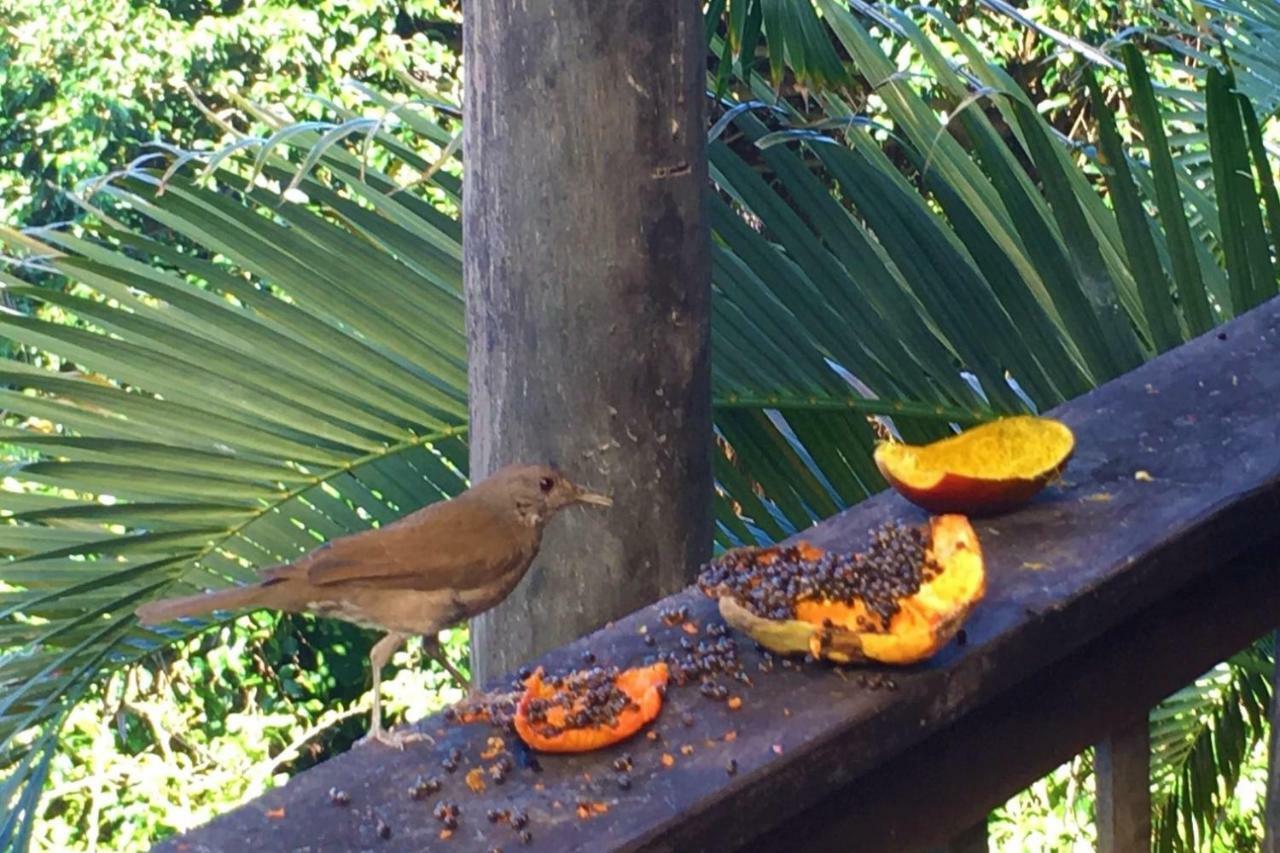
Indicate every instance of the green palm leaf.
{"type": "Point", "coordinates": [281, 372]}
{"type": "Point", "coordinates": [791, 32]}
{"type": "Point", "coordinates": [253, 410]}
{"type": "Point", "coordinates": [1200, 738]}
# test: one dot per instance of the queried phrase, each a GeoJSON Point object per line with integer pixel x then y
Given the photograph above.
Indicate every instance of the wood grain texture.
{"type": "Point", "coordinates": [1122, 763]}
{"type": "Point", "coordinates": [588, 296]}
{"type": "Point", "coordinates": [962, 771]}
{"type": "Point", "coordinates": [1104, 595]}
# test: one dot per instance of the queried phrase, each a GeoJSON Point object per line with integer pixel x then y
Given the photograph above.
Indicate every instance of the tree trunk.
{"type": "Point", "coordinates": [588, 297]}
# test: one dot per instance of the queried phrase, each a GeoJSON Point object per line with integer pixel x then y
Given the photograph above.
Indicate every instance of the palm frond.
{"type": "Point", "coordinates": [791, 33]}
{"type": "Point", "coordinates": [1003, 288]}
{"type": "Point", "coordinates": [1200, 738]}
{"type": "Point", "coordinates": [233, 406]}
{"type": "Point", "coordinates": [288, 363]}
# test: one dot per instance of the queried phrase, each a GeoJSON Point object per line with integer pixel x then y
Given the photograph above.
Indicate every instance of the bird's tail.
{"type": "Point", "coordinates": [166, 609]}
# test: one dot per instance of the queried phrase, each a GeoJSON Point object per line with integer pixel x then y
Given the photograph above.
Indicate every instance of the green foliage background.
{"type": "Point", "coordinates": [86, 84]}
{"type": "Point", "coordinates": [87, 87]}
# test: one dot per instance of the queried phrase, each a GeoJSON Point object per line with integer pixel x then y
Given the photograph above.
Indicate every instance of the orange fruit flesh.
{"type": "Point", "coordinates": [643, 685]}
{"type": "Point", "coordinates": [924, 622]}
{"type": "Point", "coordinates": [1016, 448]}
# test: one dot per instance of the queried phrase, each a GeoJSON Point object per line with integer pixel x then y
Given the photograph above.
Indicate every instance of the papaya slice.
{"type": "Point", "coordinates": [876, 606]}
{"type": "Point", "coordinates": [991, 468]}
{"type": "Point", "coordinates": [589, 709]}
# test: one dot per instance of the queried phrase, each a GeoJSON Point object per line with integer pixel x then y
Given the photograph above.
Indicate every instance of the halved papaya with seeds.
{"type": "Point", "coordinates": [991, 468]}
{"type": "Point", "coordinates": [864, 607]}
{"type": "Point", "coordinates": [589, 709]}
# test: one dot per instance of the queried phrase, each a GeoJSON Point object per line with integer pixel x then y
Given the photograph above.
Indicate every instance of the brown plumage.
{"type": "Point", "coordinates": [419, 575]}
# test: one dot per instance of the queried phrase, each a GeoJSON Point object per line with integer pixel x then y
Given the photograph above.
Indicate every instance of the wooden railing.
{"type": "Point", "coordinates": [1153, 560]}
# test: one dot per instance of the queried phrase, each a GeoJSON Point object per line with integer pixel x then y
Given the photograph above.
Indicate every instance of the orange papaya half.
{"type": "Point", "coordinates": [848, 632]}
{"type": "Point", "coordinates": [991, 468]}
{"type": "Point", "coordinates": [553, 728]}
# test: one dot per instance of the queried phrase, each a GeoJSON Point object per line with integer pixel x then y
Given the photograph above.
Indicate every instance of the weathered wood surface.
{"type": "Point", "coordinates": [1101, 593]}
{"type": "Point", "coordinates": [971, 840]}
{"type": "Point", "coordinates": [589, 296]}
{"type": "Point", "coordinates": [1122, 762]}
{"type": "Point", "coordinates": [971, 766]}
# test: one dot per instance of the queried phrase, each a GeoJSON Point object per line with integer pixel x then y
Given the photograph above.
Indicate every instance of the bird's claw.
{"type": "Point", "coordinates": [397, 739]}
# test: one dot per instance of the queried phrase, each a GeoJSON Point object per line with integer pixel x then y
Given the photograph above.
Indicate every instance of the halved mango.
{"type": "Point", "coordinates": [991, 468]}
{"type": "Point", "coordinates": [847, 632]}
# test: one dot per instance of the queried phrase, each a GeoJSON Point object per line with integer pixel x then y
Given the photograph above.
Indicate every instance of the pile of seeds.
{"type": "Point", "coordinates": [703, 659]}
{"type": "Point", "coordinates": [518, 821]}
{"type": "Point", "coordinates": [894, 565]}
{"type": "Point", "coordinates": [590, 697]}
{"type": "Point", "coordinates": [673, 615]}
{"type": "Point", "coordinates": [448, 814]}
{"type": "Point", "coordinates": [499, 709]}
{"type": "Point", "coordinates": [425, 787]}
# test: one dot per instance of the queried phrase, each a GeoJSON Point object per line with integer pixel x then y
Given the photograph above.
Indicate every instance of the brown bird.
{"type": "Point", "coordinates": [418, 575]}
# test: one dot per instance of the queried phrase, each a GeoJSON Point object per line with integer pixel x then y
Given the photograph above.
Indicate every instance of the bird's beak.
{"type": "Point", "coordinates": [594, 498]}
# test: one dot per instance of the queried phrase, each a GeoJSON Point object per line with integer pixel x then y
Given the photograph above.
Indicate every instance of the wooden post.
{"type": "Point", "coordinates": [588, 297]}
{"type": "Point", "coordinates": [1271, 816]}
{"type": "Point", "coordinates": [1122, 763]}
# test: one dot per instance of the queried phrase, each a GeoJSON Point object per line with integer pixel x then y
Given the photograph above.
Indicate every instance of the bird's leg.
{"type": "Point", "coordinates": [379, 657]}
{"type": "Point", "coordinates": [431, 648]}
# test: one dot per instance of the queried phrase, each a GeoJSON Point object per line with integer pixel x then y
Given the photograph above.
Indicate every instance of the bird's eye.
{"type": "Point", "coordinates": [546, 483]}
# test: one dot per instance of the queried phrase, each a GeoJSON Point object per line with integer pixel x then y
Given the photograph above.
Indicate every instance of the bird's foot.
{"type": "Point", "coordinates": [397, 739]}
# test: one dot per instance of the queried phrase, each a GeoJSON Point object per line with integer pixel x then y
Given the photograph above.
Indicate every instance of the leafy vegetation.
{"type": "Point", "coordinates": [1005, 287]}
{"type": "Point", "coordinates": [162, 749]}
{"type": "Point", "coordinates": [232, 465]}
{"type": "Point", "coordinates": [81, 99]}
{"type": "Point", "coordinates": [248, 349]}
{"type": "Point", "coordinates": [84, 86]}
{"type": "Point", "coordinates": [1147, 271]}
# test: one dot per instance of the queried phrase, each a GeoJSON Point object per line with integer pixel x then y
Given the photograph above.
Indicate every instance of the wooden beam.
{"type": "Point", "coordinates": [586, 262]}
{"type": "Point", "coordinates": [1271, 815]}
{"type": "Point", "coordinates": [1103, 596]}
{"type": "Point", "coordinates": [965, 770]}
{"type": "Point", "coordinates": [1122, 764]}
{"type": "Point", "coordinates": [913, 800]}
{"type": "Point", "coordinates": [971, 840]}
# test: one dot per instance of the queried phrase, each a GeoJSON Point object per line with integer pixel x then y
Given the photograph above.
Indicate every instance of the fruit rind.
{"type": "Point", "coordinates": [925, 622]}
{"type": "Point", "coordinates": [991, 468]}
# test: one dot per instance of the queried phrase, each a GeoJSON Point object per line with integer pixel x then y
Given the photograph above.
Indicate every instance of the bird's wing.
{"type": "Point", "coordinates": [451, 545]}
